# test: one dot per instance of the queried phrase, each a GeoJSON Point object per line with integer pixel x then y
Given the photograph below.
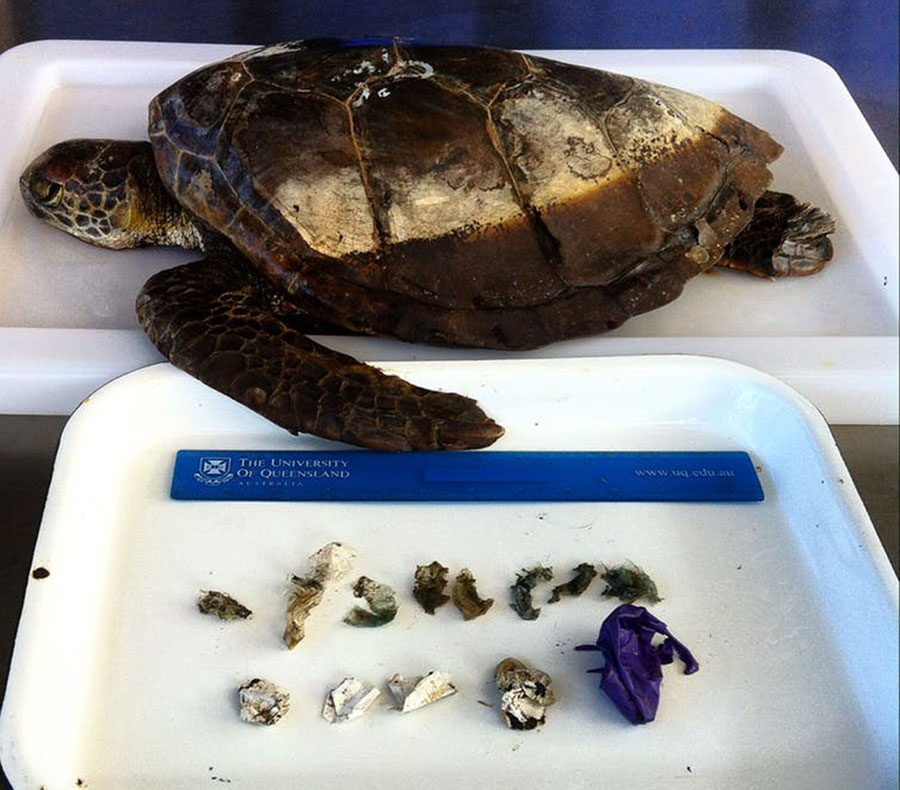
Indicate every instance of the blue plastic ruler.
{"type": "Point", "coordinates": [364, 476]}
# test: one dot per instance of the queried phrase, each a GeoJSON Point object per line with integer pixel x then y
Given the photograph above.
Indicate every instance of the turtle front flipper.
{"type": "Point", "coordinates": [784, 238]}
{"type": "Point", "coordinates": [213, 320]}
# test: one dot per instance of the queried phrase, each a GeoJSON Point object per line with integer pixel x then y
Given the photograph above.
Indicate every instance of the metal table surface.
{"type": "Point", "coordinates": [859, 38]}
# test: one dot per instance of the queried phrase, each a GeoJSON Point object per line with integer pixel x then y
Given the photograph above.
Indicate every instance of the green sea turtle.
{"type": "Point", "coordinates": [460, 196]}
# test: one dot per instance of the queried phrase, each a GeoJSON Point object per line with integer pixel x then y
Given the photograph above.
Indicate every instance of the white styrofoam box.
{"type": "Point", "coordinates": [789, 605]}
{"type": "Point", "coordinates": [67, 320]}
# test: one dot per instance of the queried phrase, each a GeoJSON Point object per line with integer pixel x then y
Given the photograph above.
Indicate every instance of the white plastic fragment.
{"type": "Point", "coordinates": [349, 700]}
{"type": "Point", "coordinates": [332, 562]}
{"type": "Point", "coordinates": [413, 693]}
{"type": "Point", "coordinates": [263, 702]}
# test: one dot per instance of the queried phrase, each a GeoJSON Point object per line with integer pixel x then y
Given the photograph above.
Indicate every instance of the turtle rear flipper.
{"type": "Point", "coordinates": [784, 238]}
{"type": "Point", "coordinates": [213, 320]}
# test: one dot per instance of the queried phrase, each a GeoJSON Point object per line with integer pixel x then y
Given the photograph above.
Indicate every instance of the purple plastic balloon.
{"type": "Point", "coordinates": [633, 670]}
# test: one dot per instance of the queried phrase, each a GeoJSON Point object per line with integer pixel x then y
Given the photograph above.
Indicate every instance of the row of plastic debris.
{"type": "Point", "coordinates": [334, 561]}
{"type": "Point", "coordinates": [524, 696]}
{"type": "Point", "coordinates": [631, 678]}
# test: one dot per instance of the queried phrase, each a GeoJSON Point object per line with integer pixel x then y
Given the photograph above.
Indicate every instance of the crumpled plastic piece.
{"type": "Point", "coordinates": [222, 605]}
{"type": "Point", "coordinates": [263, 702]}
{"type": "Point", "coordinates": [466, 597]}
{"type": "Point", "coordinates": [633, 670]}
{"type": "Point", "coordinates": [526, 581]}
{"type": "Point", "coordinates": [584, 575]}
{"type": "Point", "coordinates": [428, 590]}
{"type": "Point", "coordinates": [381, 598]}
{"type": "Point", "coordinates": [330, 563]}
{"type": "Point", "coordinates": [628, 583]}
{"type": "Point", "coordinates": [413, 693]}
{"type": "Point", "coordinates": [349, 700]}
{"type": "Point", "coordinates": [525, 694]}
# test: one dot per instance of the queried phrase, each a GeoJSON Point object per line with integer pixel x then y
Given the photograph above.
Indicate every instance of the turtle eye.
{"type": "Point", "coordinates": [46, 192]}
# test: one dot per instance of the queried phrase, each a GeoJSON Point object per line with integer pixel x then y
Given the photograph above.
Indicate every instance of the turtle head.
{"type": "Point", "coordinates": [104, 192]}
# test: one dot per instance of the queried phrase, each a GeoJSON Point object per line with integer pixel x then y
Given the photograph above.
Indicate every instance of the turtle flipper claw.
{"type": "Point", "coordinates": [784, 238]}
{"type": "Point", "coordinates": [213, 320]}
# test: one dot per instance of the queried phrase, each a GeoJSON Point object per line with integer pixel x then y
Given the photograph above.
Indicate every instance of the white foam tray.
{"type": "Point", "coordinates": [66, 310]}
{"type": "Point", "coordinates": [790, 605]}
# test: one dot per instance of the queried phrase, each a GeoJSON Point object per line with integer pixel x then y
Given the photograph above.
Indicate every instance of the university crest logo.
{"type": "Point", "coordinates": [214, 471]}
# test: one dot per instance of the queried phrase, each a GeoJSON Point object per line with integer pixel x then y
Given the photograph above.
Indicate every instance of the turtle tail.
{"type": "Point", "coordinates": [784, 238]}
{"type": "Point", "coordinates": [214, 320]}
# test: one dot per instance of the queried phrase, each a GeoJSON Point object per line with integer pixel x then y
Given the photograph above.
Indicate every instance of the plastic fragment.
{"type": "Point", "coordinates": [307, 594]}
{"type": "Point", "coordinates": [410, 694]}
{"type": "Point", "coordinates": [222, 605]}
{"type": "Point", "coordinates": [526, 581]}
{"type": "Point", "coordinates": [584, 575]}
{"type": "Point", "coordinates": [466, 598]}
{"type": "Point", "coordinates": [263, 702]}
{"type": "Point", "coordinates": [330, 563]}
{"type": "Point", "coordinates": [525, 694]}
{"type": "Point", "coordinates": [382, 601]}
{"type": "Point", "coordinates": [632, 674]}
{"type": "Point", "coordinates": [429, 585]}
{"type": "Point", "coordinates": [349, 700]}
{"type": "Point", "coordinates": [628, 583]}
